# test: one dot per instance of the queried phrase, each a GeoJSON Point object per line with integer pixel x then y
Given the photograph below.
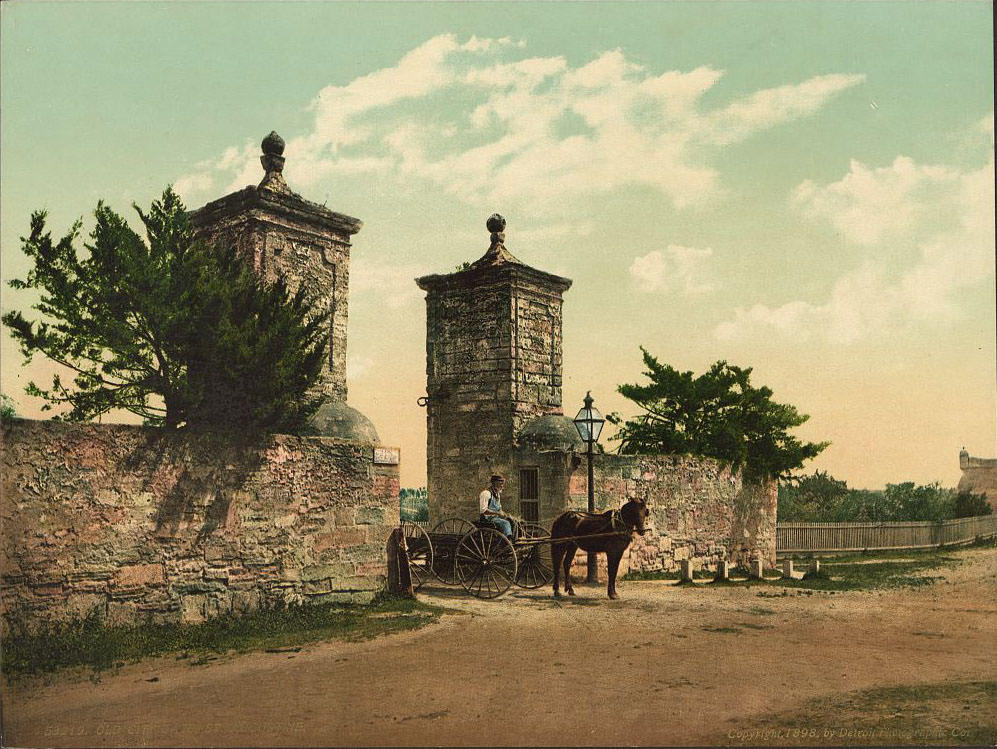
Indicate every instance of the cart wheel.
{"type": "Point", "coordinates": [485, 561]}
{"type": "Point", "coordinates": [420, 553]}
{"type": "Point", "coordinates": [535, 566]}
{"type": "Point", "coordinates": [447, 533]}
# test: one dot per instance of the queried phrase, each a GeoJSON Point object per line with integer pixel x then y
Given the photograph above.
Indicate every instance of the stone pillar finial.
{"type": "Point", "coordinates": [273, 163]}
{"type": "Point", "coordinates": [496, 225]}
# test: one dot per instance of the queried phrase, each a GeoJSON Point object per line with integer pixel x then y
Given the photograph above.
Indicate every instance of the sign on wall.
{"type": "Point", "coordinates": [387, 456]}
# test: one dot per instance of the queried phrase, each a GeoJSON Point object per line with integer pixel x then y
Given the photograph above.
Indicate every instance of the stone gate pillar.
{"type": "Point", "coordinates": [493, 363]}
{"type": "Point", "coordinates": [282, 235]}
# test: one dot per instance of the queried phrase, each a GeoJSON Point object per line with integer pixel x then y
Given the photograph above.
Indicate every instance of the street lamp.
{"type": "Point", "coordinates": [589, 423]}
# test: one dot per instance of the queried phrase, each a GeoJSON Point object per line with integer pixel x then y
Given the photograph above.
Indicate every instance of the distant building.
{"type": "Point", "coordinates": [979, 475]}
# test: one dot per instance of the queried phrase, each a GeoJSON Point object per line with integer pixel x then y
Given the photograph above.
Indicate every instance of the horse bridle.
{"type": "Point", "coordinates": [612, 524]}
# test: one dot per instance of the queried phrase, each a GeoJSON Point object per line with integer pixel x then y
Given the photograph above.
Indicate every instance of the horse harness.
{"type": "Point", "coordinates": [612, 524]}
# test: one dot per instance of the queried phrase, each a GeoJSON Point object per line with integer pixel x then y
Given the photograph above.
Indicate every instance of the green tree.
{"type": "Point", "coordinates": [969, 504]}
{"type": "Point", "coordinates": [811, 499]}
{"type": "Point", "coordinates": [7, 409]}
{"type": "Point", "coordinates": [909, 501]}
{"type": "Point", "coordinates": [821, 498]}
{"type": "Point", "coordinates": [717, 414]}
{"type": "Point", "coordinates": [171, 329]}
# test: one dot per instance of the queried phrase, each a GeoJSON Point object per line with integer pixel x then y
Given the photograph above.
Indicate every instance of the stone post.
{"type": "Point", "coordinates": [787, 569]}
{"type": "Point", "coordinates": [757, 569]}
{"type": "Point", "coordinates": [814, 569]}
{"type": "Point", "coordinates": [723, 571]}
{"type": "Point", "coordinates": [685, 571]}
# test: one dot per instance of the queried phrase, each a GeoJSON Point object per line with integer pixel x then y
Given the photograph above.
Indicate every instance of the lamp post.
{"type": "Point", "coordinates": [589, 423]}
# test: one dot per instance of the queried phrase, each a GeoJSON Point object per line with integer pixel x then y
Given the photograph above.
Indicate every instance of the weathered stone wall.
{"type": "Point", "coordinates": [137, 524]}
{"type": "Point", "coordinates": [699, 510]}
{"type": "Point", "coordinates": [536, 349]}
{"type": "Point", "coordinates": [979, 475]}
{"type": "Point", "coordinates": [468, 361]}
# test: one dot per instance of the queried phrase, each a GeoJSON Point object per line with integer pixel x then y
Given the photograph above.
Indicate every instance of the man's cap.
{"type": "Point", "coordinates": [496, 477]}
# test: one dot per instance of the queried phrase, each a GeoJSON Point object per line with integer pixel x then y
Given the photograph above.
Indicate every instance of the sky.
{"type": "Point", "coordinates": [803, 188]}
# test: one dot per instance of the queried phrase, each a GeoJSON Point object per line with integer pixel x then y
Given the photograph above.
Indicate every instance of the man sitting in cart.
{"type": "Point", "coordinates": [490, 503]}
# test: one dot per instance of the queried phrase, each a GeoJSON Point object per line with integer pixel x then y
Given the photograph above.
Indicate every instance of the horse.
{"type": "Point", "coordinates": [609, 531]}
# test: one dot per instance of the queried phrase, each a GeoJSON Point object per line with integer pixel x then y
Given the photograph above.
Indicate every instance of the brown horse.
{"type": "Point", "coordinates": [609, 531]}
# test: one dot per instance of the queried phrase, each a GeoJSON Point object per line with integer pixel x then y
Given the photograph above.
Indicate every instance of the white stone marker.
{"type": "Point", "coordinates": [814, 569]}
{"type": "Point", "coordinates": [787, 568]}
{"type": "Point", "coordinates": [757, 569]}
{"type": "Point", "coordinates": [723, 571]}
{"type": "Point", "coordinates": [685, 570]}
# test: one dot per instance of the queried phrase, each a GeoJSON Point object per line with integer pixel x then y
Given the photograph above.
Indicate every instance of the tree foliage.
{"type": "Point", "coordinates": [970, 504]}
{"type": "Point", "coordinates": [171, 329]}
{"type": "Point", "coordinates": [717, 414]}
{"type": "Point", "coordinates": [820, 498]}
{"type": "Point", "coordinates": [414, 504]}
{"type": "Point", "coordinates": [7, 409]}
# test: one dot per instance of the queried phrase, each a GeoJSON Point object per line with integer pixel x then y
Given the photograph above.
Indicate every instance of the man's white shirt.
{"type": "Point", "coordinates": [483, 500]}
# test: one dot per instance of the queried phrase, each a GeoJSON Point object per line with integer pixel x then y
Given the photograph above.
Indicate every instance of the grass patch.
{"type": "Point", "coordinates": [860, 556]}
{"type": "Point", "coordinates": [872, 571]}
{"type": "Point", "coordinates": [941, 714]}
{"type": "Point", "coordinates": [651, 575]}
{"type": "Point", "coordinates": [884, 575]}
{"type": "Point", "coordinates": [87, 643]}
{"type": "Point", "coordinates": [761, 611]}
{"type": "Point", "coordinates": [672, 575]}
{"type": "Point", "coordinates": [752, 625]}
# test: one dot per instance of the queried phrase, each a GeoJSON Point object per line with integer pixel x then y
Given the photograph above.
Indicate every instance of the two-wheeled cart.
{"type": "Point", "coordinates": [478, 556]}
{"type": "Point", "coordinates": [483, 559]}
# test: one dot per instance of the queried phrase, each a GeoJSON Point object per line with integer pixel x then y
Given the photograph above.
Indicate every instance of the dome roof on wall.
{"type": "Point", "coordinates": [551, 432]}
{"type": "Point", "coordinates": [336, 419]}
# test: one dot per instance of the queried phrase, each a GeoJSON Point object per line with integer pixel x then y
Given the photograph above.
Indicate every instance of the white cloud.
{"type": "Point", "coordinates": [944, 215]}
{"type": "Point", "coordinates": [677, 269]}
{"type": "Point", "coordinates": [394, 285]}
{"type": "Point", "coordinates": [528, 130]}
{"type": "Point", "coordinates": [190, 186]}
{"type": "Point", "coordinates": [871, 206]}
{"type": "Point", "coordinates": [773, 106]}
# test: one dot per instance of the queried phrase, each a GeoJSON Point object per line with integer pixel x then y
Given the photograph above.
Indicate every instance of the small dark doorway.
{"type": "Point", "coordinates": [529, 494]}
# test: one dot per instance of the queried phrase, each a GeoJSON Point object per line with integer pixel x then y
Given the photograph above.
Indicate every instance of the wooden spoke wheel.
{"type": "Point", "coordinates": [447, 533]}
{"type": "Point", "coordinates": [535, 567]}
{"type": "Point", "coordinates": [485, 561]}
{"type": "Point", "coordinates": [420, 553]}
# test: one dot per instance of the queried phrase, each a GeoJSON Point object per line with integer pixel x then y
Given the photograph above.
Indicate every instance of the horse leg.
{"type": "Point", "coordinates": [556, 555]}
{"type": "Point", "coordinates": [568, 558]}
{"type": "Point", "coordinates": [613, 558]}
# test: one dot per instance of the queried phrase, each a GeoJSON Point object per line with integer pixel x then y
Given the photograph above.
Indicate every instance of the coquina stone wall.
{"type": "Point", "coordinates": [136, 525]}
{"type": "Point", "coordinates": [699, 510]}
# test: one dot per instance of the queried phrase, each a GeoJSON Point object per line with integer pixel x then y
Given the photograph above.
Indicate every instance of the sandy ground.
{"type": "Point", "coordinates": [659, 666]}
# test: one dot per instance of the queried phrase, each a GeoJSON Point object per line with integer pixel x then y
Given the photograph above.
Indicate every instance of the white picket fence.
{"type": "Point", "coordinates": [806, 537]}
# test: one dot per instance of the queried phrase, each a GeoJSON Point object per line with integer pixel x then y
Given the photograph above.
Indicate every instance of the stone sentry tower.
{"type": "Point", "coordinates": [282, 235]}
{"type": "Point", "coordinates": [493, 364]}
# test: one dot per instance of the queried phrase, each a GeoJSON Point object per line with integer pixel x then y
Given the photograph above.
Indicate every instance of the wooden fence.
{"type": "Point", "coordinates": [807, 537]}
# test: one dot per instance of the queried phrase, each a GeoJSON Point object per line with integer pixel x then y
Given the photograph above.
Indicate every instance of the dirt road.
{"type": "Point", "coordinates": [662, 665]}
